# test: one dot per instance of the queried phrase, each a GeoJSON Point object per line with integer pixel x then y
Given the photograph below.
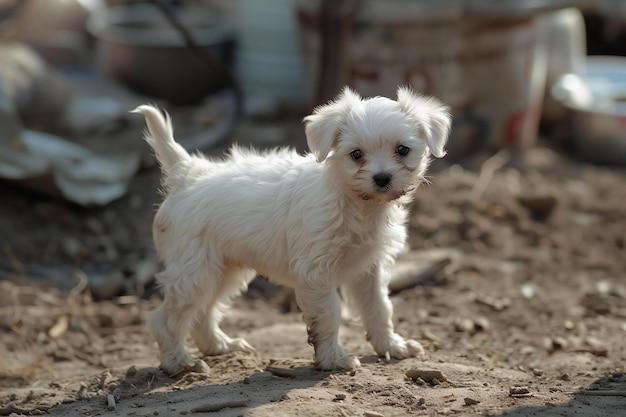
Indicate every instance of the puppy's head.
{"type": "Point", "coordinates": [379, 148]}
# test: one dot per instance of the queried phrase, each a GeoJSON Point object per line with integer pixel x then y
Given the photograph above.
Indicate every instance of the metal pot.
{"type": "Point", "coordinates": [595, 102]}
{"type": "Point", "coordinates": [138, 46]}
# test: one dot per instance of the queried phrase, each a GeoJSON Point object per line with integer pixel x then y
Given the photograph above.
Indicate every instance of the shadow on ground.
{"type": "Point", "coordinates": [605, 397]}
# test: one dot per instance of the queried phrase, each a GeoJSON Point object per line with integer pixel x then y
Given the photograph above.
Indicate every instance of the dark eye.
{"type": "Point", "coordinates": [402, 150]}
{"type": "Point", "coordinates": [356, 154]}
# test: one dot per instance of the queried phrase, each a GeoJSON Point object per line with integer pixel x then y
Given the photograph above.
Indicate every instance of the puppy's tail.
{"type": "Point", "coordinates": [160, 136]}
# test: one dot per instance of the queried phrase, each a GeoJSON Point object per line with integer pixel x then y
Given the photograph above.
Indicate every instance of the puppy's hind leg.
{"type": "Point", "coordinates": [209, 338]}
{"type": "Point", "coordinates": [369, 297]}
{"type": "Point", "coordinates": [171, 321]}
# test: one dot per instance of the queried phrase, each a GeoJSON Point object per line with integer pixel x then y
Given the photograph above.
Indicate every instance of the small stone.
{"type": "Point", "coordinates": [340, 397]}
{"type": "Point", "coordinates": [554, 344]}
{"type": "Point", "coordinates": [464, 325]}
{"type": "Point", "coordinates": [539, 207]}
{"type": "Point", "coordinates": [559, 343]}
{"type": "Point", "coordinates": [481, 324]}
{"type": "Point", "coordinates": [519, 391]}
{"type": "Point", "coordinates": [470, 401]}
{"type": "Point", "coordinates": [596, 347]}
{"type": "Point", "coordinates": [538, 372]}
{"type": "Point", "coordinates": [565, 377]}
{"type": "Point", "coordinates": [428, 375]}
{"type": "Point", "coordinates": [596, 304]}
{"type": "Point", "coordinates": [421, 401]}
{"type": "Point", "coordinates": [246, 380]}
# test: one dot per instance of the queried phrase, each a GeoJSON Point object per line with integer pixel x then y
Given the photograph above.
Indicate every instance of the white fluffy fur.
{"type": "Point", "coordinates": [317, 223]}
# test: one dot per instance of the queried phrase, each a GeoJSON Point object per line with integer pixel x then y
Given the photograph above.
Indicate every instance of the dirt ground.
{"type": "Point", "coordinates": [519, 301]}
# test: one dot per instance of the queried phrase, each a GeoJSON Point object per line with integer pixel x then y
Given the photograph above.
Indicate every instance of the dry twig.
{"type": "Point", "coordinates": [487, 170]}
{"type": "Point", "coordinates": [282, 372]}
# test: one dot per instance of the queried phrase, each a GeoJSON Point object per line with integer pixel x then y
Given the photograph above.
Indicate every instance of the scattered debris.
{"type": "Point", "coordinates": [539, 207]}
{"type": "Point", "coordinates": [594, 346]}
{"type": "Point", "coordinates": [281, 372]}
{"type": "Point", "coordinates": [528, 290]}
{"type": "Point", "coordinates": [372, 414]}
{"type": "Point", "coordinates": [470, 401]}
{"type": "Point", "coordinates": [60, 327]}
{"type": "Point", "coordinates": [340, 397]}
{"type": "Point", "coordinates": [430, 376]}
{"type": "Point", "coordinates": [487, 171]}
{"type": "Point", "coordinates": [496, 304]}
{"type": "Point", "coordinates": [519, 392]}
{"type": "Point", "coordinates": [596, 304]}
{"type": "Point", "coordinates": [408, 273]}
{"type": "Point", "coordinates": [481, 324]}
{"type": "Point", "coordinates": [37, 160]}
{"type": "Point", "coordinates": [464, 325]}
{"type": "Point", "coordinates": [554, 344]}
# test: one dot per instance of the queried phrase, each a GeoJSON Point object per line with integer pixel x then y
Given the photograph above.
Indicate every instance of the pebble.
{"type": "Point", "coordinates": [481, 324]}
{"type": "Point", "coordinates": [470, 401]}
{"type": "Point", "coordinates": [464, 325]}
{"type": "Point", "coordinates": [554, 344]}
{"type": "Point", "coordinates": [431, 376]}
{"type": "Point", "coordinates": [539, 207]}
{"type": "Point", "coordinates": [519, 391]}
{"type": "Point", "coordinates": [340, 397]}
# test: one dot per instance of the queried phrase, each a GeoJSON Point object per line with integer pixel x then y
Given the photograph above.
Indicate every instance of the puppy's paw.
{"type": "Point", "coordinates": [241, 345]}
{"type": "Point", "coordinates": [399, 347]}
{"type": "Point", "coordinates": [224, 346]}
{"type": "Point", "coordinates": [334, 358]}
{"type": "Point", "coordinates": [175, 369]}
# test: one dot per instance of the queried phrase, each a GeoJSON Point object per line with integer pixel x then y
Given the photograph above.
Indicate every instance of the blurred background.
{"type": "Point", "coordinates": [517, 248]}
{"type": "Point", "coordinates": [515, 73]}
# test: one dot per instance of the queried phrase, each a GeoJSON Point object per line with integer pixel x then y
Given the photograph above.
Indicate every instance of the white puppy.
{"type": "Point", "coordinates": [333, 219]}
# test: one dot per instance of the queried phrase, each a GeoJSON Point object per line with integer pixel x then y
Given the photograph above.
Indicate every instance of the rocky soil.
{"type": "Point", "coordinates": [514, 284]}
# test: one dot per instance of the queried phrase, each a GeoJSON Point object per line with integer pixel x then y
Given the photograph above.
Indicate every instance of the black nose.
{"type": "Point", "coordinates": [382, 179]}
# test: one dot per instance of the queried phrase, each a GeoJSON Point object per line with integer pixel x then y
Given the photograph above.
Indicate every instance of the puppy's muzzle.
{"type": "Point", "coordinates": [382, 179]}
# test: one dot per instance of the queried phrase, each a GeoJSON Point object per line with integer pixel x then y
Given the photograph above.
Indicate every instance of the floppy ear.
{"type": "Point", "coordinates": [430, 116]}
{"type": "Point", "coordinates": [323, 126]}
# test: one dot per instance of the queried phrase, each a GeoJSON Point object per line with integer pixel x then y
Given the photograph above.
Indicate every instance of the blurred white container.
{"type": "Point", "coordinates": [564, 34]}
{"type": "Point", "coordinates": [268, 61]}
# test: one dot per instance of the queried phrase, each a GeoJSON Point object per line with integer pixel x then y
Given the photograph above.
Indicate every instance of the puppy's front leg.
{"type": "Point", "coordinates": [322, 314]}
{"type": "Point", "coordinates": [369, 295]}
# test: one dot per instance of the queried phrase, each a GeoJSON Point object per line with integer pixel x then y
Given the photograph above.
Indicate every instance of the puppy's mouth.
{"type": "Point", "coordinates": [382, 195]}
